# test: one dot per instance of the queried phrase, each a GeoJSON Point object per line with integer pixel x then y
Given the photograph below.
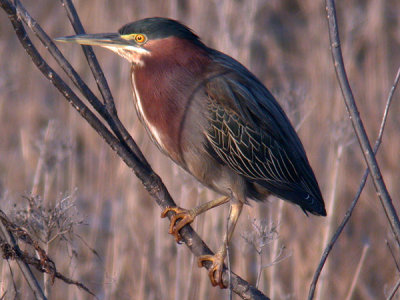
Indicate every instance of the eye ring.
{"type": "Point", "coordinates": [140, 38]}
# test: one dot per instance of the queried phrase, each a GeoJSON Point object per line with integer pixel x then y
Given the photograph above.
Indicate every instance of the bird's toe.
{"type": "Point", "coordinates": [216, 269]}
{"type": "Point", "coordinates": [181, 218]}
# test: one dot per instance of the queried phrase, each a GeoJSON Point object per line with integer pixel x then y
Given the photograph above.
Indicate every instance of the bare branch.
{"type": "Point", "coordinates": [43, 264]}
{"type": "Point", "coordinates": [394, 291]}
{"type": "Point", "coordinates": [358, 271]}
{"type": "Point", "coordinates": [29, 277]}
{"type": "Point", "coordinates": [393, 256]}
{"type": "Point", "coordinates": [107, 111]}
{"type": "Point", "coordinates": [349, 211]}
{"type": "Point", "coordinates": [13, 282]}
{"type": "Point", "coordinates": [358, 126]}
{"type": "Point", "coordinates": [102, 84]}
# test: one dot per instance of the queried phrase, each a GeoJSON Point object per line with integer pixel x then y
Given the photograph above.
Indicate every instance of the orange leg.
{"type": "Point", "coordinates": [184, 216]}
{"type": "Point", "coordinates": [215, 272]}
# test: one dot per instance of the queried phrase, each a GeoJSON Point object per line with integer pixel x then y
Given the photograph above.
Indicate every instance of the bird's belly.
{"type": "Point", "coordinates": [208, 171]}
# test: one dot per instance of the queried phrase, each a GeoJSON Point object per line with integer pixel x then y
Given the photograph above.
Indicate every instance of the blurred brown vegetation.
{"type": "Point", "coordinates": [47, 149]}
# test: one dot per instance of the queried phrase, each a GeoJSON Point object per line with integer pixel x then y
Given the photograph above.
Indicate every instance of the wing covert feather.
{"type": "Point", "coordinates": [250, 133]}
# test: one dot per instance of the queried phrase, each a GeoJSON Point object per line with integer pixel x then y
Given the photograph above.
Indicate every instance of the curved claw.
{"type": "Point", "coordinates": [182, 215]}
{"type": "Point", "coordinates": [217, 267]}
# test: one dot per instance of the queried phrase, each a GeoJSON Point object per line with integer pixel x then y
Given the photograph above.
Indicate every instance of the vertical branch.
{"type": "Point", "coordinates": [331, 216]}
{"type": "Point", "coordinates": [274, 254]}
{"type": "Point", "coordinates": [228, 258]}
{"type": "Point", "coordinates": [358, 271]}
{"type": "Point", "coordinates": [354, 114]}
{"type": "Point", "coordinates": [349, 211]}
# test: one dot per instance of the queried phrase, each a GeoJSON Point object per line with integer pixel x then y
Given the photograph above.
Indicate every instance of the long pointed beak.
{"type": "Point", "coordinates": [113, 40]}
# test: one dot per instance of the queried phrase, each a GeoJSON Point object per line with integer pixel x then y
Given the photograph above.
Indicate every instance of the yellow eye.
{"type": "Point", "coordinates": [140, 38]}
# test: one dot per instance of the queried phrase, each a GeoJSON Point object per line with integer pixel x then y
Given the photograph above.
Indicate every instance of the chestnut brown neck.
{"type": "Point", "coordinates": [164, 84]}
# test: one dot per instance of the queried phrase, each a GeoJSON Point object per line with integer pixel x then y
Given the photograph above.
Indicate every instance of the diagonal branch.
{"type": "Point", "coordinates": [102, 84]}
{"type": "Point", "coordinates": [394, 291]}
{"type": "Point", "coordinates": [141, 168]}
{"type": "Point", "coordinates": [107, 111]}
{"type": "Point", "coordinates": [358, 126]}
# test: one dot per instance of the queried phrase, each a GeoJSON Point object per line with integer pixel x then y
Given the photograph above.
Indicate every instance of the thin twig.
{"type": "Point", "coordinates": [396, 287]}
{"type": "Point", "coordinates": [13, 281]}
{"type": "Point", "coordinates": [89, 54]}
{"type": "Point", "coordinates": [394, 291]}
{"type": "Point", "coordinates": [331, 212]}
{"type": "Point", "coordinates": [358, 126]}
{"type": "Point", "coordinates": [358, 271]}
{"type": "Point", "coordinates": [149, 179]}
{"type": "Point", "coordinates": [24, 15]}
{"type": "Point", "coordinates": [393, 256]}
{"type": "Point", "coordinates": [43, 264]}
{"type": "Point", "coordinates": [229, 258]}
{"type": "Point", "coordinates": [26, 271]}
{"type": "Point", "coordinates": [274, 255]}
{"type": "Point", "coordinates": [4, 295]}
{"type": "Point", "coordinates": [349, 211]}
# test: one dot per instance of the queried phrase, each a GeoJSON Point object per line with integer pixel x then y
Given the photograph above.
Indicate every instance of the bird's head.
{"type": "Point", "coordinates": [138, 39]}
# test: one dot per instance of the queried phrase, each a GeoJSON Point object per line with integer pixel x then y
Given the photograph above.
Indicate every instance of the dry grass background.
{"type": "Point", "coordinates": [47, 149]}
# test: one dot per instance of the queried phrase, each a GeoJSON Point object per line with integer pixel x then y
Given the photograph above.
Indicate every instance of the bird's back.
{"type": "Point", "coordinates": [251, 133]}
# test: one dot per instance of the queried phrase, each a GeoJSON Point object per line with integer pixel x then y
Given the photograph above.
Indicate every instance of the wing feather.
{"type": "Point", "coordinates": [251, 134]}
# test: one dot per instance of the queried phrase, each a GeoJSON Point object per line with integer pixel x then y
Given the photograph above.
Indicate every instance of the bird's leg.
{"type": "Point", "coordinates": [186, 216]}
{"type": "Point", "coordinates": [215, 272]}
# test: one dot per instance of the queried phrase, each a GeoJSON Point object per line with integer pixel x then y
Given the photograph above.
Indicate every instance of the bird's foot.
{"type": "Point", "coordinates": [215, 272]}
{"type": "Point", "coordinates": [181, 218]}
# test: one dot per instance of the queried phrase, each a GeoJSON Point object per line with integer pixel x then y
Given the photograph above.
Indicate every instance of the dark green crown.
{"type": "Point", "coordinates": [158, 28]}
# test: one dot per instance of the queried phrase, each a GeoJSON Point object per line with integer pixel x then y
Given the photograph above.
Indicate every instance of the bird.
{"type": "Point", "coordinates": [215, 119]}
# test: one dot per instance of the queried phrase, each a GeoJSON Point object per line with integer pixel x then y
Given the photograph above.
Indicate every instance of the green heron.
{"type": "Point", "coordinates": [213, 118]}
